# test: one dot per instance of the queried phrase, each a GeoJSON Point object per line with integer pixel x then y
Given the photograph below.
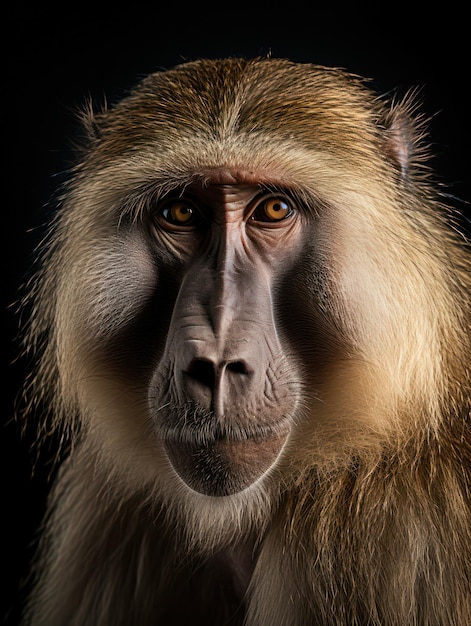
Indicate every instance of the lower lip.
{"type": "Point", "coordinates": [224, 467]}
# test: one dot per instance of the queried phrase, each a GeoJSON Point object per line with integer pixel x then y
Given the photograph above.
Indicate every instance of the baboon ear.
{"type": "Point", "coordinates": [405, 129]}
{"type": "Point", "coordinates": [91, 117]}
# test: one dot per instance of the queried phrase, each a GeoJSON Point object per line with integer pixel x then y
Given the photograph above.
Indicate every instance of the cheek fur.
{"type": "Point", "coordinates": [108, 284]}
{"type": "Point", "coordinates": [121, 283]}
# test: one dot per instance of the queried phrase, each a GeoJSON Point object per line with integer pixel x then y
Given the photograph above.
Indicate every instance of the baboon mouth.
{"type": "Point", "coordinates": [223, 466]}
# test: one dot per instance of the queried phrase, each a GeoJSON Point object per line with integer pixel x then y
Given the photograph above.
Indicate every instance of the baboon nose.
{"type": "Point", "coordinates": [209, 373]}
{"type": "Point", "coordinates": [216, 384]}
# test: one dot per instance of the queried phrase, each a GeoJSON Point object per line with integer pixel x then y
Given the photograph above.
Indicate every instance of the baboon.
{"type": "Point", "coordinates": [251, 326]}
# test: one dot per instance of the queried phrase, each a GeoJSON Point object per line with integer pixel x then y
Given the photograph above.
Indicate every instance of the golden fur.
{"type": "Point", "coordinates": [366, 517]}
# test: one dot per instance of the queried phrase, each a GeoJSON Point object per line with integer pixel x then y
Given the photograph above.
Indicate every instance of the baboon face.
{"type": "Point", "coordinates": [219, 253]}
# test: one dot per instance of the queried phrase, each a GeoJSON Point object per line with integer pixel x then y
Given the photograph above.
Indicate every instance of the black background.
{"type": "Point", "coordinates": [56, 58]}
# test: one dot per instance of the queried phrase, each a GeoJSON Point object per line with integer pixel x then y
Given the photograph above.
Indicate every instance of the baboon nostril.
{"type": "Point", "coordinates": [202, 371]}
{"type": "Point", "coordinates": [238, 367]}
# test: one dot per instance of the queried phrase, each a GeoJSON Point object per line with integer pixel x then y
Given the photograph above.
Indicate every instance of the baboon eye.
{"type": "Point", "coordinates": [272, 209]}
{"type": "Point", "coordinates": [179, 214]}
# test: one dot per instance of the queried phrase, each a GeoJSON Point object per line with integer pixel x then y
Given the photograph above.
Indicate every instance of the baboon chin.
{"type": "Point", "coordinates": [251, 325]}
